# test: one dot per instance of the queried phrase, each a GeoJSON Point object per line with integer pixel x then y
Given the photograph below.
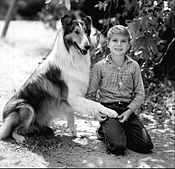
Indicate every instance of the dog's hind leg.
{"type": "Point", "coordinates": [26, 118]}
{"type": "Point", "coordinates": [9, 122]}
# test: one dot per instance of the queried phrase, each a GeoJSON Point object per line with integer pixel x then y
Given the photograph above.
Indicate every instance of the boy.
{"type": "Point", "coordinates": [119, 82]}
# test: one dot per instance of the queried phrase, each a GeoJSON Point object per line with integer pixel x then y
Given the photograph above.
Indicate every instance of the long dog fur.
{"type": "Point", "coordinates": [57, 86]}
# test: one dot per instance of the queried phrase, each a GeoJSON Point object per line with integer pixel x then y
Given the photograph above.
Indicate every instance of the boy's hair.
{"type": "Point", "coordinates": [119, 29]}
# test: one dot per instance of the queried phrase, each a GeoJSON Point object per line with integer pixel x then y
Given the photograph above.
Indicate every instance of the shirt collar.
{"type": "Point", "coordinates": [109, 60]}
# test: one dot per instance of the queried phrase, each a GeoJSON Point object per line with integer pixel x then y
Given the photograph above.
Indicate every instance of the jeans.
{"type": "Point", "coordinates": [130, 134]}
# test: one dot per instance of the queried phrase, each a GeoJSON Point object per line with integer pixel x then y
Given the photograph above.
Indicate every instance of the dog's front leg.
{"type": "Point", "coordinates": [71, 123]}
{"type": "Point", "coordinates": [89, 108]}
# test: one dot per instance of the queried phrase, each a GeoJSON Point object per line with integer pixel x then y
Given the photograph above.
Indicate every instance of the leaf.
{"type": "Point", "coordinates": [47, 1]}
{"type": "Point", "coordinates": [55, 3]}
{"type": "Point", "coordinates": [67, 4]}
{"type": "Point", "coordinates": [101, 5]}
{"type": "Point", "coordinates": [134, 29]}
{"type": "Point", "coordinates": [129, 4]}
{"type": "Point", "coordinates": [147, 45]}
{"type": "Point", "coordinates": [139, 43]}
{"type": "Point", "coordinates": [152, 45]}
{"type": "Point", "coordinates": [172, 20]}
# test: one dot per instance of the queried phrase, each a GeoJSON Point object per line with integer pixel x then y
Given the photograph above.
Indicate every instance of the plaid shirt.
{"type": "Point", "coordinates": [112, 84]}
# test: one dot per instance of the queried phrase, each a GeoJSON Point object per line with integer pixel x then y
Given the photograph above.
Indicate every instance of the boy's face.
{"type": "Point", "coordinates": [119, 44]}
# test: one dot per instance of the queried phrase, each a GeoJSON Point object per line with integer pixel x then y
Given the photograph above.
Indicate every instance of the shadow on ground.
{"type": "Point", "coordinates": [17, 62]}
{"type": "Point", "coordinates": [62, 150]}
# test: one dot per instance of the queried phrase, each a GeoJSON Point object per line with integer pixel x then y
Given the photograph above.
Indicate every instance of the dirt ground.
{"type": "Point", "coordinates": [24, 46]}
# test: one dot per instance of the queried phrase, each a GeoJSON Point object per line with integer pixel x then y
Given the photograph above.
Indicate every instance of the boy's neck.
{"type": "Point", "coordinates": [118, 60]}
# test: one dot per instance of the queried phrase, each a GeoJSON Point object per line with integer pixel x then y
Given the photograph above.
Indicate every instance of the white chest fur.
{"type": "Point", "coordinates": [74, 67]}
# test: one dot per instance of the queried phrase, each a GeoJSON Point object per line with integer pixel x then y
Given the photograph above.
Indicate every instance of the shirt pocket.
{"type": "Point", "coordinates": [127, 79]}
{"type": "Point", "coordinates": [109, 79]}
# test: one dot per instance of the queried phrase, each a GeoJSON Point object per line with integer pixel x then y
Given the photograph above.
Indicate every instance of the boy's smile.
{"type": "Point", "coordinates": [119, 44]}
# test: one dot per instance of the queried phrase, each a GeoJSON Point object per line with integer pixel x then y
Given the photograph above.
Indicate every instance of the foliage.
{"type": "Point", "coordinates": [51, 13]}
{"type": "Point", "coordinates": [3, 8]}
{"type": "Point", "coordinates": [159, 100]}
{"type": "Point", "coordinates": [54, 10]}
{"type": "Point", "coordinates": [150, 18]}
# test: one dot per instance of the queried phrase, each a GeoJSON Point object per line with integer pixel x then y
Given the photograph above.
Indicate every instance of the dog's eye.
{"type": "Point", "coordinates": [76, 32]}
{"type": "Point", "coordinates": [85, 30]}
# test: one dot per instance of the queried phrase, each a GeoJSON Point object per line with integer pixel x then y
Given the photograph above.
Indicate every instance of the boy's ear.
{"type": "Point", "coordinates": [107, 42]}
{"type": "Point", "coordinates": [129, 47]}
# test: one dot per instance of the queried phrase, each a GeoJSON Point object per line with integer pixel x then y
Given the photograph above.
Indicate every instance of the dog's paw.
{"type": "Point", "coordinates": [97, 115]}
{"type": "Point", "coordinates": [73, 131]}
{"type": "Point", "coordinates": [105, 111]}
{"type": "Point", "coordinates": [111, 113]}
{"type": "Point", "coordinates": [18, 138]}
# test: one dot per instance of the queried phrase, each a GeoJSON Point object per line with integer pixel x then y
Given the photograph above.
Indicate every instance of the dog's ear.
{"type": "Point", "coordinates": [88, 22]}
{"type": "Point", "coordinates": [66, 20]}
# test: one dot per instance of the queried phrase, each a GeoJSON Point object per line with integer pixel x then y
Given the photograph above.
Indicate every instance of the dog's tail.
{"type": "Point", "coordinates": [12, 116]}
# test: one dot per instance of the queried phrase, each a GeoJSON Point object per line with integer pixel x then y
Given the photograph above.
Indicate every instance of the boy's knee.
{"type": "Point", "coordinates": [116, 148]}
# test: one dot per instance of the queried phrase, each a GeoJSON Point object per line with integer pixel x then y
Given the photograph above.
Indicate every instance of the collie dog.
{"type": "Point", "coordinates": [57, 86]}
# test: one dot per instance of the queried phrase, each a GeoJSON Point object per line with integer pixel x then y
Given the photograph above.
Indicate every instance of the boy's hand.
{"type": "Point", "coordinates": [124, 116]}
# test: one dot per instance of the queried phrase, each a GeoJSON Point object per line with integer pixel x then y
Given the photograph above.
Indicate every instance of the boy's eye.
{"type": "Point", "coordinates": [115, 40]}
{"type": "Point", "coordinates": [122, 41]}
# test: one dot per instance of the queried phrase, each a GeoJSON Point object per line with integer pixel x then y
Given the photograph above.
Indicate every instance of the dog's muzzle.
{"type": "Point", "coordinates": [82, 51]}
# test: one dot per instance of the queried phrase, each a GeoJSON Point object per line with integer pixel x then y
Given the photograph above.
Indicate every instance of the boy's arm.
{"type": "Point", "coordinates": [139, 92]}
{"type": "Point", "coordinates": [94, 83]}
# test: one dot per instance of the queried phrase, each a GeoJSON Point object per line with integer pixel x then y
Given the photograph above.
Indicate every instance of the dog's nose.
{"type": "Point", "coordinates": [87, 47]}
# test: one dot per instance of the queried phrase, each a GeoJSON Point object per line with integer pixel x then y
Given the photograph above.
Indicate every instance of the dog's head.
{"type": "Point", "coordinates": [77, 33]}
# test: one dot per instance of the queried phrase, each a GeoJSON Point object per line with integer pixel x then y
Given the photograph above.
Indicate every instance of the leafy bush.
{"type": "Point", "coordinates": [149, 21]}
